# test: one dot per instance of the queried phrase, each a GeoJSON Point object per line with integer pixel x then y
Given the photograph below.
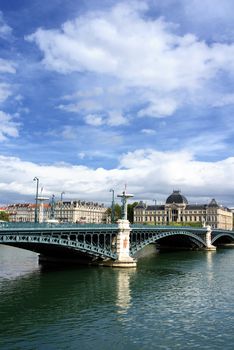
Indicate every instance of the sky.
{"type": "Point", "coordinates": [96, 94]}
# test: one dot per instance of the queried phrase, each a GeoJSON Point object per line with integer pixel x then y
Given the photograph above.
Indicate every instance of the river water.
{"type": "Point", "coordinates": [180, 300]}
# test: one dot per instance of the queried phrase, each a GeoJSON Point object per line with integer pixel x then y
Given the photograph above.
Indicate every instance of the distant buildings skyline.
{"type": "Point", "coordinates": [178, 210]}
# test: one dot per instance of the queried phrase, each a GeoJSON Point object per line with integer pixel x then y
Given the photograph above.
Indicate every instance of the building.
{"type": "Point", "coordinates": [80, 212]}
{"type": "Point", "coordinates": [177, 210]}
{"type": "Point", "coordinates": [25, 212]}
{"type": "Point", "coordinates": [64, 211]}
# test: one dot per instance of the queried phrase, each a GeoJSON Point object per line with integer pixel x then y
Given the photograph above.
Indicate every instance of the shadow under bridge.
{"type": "Point", "coordinates": [186, 237]}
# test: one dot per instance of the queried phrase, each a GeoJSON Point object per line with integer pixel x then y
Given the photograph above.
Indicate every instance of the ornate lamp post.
{"type": "Point", "coordinates": [155, 203]}
{"type": "Point", "coordinates": [62, 193]}
{"type": "Point", "coordinates": [112, 206]}
{"type": "Point", "coordinates": [52, 207]}
{"type": "Point", "coordinates": [36, 209]}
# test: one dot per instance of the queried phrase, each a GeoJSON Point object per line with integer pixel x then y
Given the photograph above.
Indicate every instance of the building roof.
{"type": "Point", "coordinates": [140, 205]}
{"type": "Point", "coordinates": [155, 207]}
{"type": "Point", "coordinates": [213, 204]}
{"type": "Point", "coordinates": [176, 197]}
{"type": "Point", "coordinates": [196, 206]}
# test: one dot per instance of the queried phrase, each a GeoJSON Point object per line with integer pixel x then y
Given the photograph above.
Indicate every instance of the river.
{"type": "Point", "coordinates": [173, 300]}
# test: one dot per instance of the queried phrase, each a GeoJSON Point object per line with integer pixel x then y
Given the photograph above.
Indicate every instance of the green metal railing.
{"type": "Point", "coordinates": [32, 225]}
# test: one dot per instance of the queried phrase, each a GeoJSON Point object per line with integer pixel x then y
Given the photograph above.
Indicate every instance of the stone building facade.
{"type": "Point", "coordinates": [25, 212]}
{"type": "Point", "coordinates": [66, 211]}
{"type": "Point", "coordinates": [80, 212]}
{"type": "Point", "coordinates": [177, 210]}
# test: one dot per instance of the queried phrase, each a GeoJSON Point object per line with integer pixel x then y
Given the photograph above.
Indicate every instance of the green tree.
{"type": "Point", "coordinates": [131, 211]}
{"type": "Point", "coordinates": [117, 212]}
{"type": "Point", "coordinates": [4, 216]}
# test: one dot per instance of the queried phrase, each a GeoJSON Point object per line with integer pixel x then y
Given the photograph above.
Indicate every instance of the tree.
{"type": "Point", "coordinates": [4, 216]}
{"type": "Point", "coordinates": [117, 212]}
{"type": "Point", "coordinates": [131, 211]}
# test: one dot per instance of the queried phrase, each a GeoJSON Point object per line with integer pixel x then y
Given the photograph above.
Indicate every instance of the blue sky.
{"type": "Point", "coordinates": [96, 94]}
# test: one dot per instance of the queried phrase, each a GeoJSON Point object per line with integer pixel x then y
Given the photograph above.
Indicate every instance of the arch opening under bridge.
{"type": "Point", "coordinates": [170, 238]}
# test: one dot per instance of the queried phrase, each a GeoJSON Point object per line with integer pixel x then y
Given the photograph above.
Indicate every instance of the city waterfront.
{"type": "Point", "coordinates": [180, 300]}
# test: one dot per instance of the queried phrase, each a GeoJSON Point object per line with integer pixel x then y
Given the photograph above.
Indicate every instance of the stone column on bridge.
{"type": "Point", "coordinates": [123, 236]}
{"type": "Point", "coordinates": [209, 246]}
{"type": "Point", "coordinates": [122, 246]}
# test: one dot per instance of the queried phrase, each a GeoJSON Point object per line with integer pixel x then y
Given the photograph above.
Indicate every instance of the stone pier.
{"type": "Point", "coordinates": [209, 246]}
{"type": "Point", "coordinates": [122, 247]}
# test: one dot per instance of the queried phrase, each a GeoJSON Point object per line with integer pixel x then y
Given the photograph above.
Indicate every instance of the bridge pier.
{"type": "Point", "coordinates": [122, 247]}
{"type": "Point", "coordinates": [209, 246]}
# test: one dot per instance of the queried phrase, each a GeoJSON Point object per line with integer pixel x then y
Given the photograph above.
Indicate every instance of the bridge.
{"type": "Point", "coordinates": [107, 244]}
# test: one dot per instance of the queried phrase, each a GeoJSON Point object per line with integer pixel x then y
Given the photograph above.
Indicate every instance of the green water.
{"type": "Point", "coordinates": [181, 300]}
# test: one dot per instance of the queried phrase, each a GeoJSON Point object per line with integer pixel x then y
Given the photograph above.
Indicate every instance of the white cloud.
{"type": "Point", "coordinates": [141, 52]}
{"type": "Point", "coordinates": [113, 118]}
{"type": "Point", "coordinates": [81, 106]}
{"type": "Point", "coordinates": [7, 66]}
{"type": "Point", "coordinates": [146, 172]}
{"type": "Point", "coordinates": [116, 118]}
{"type": "Point", "coordinates": [5, 30]}
{"type": "Point", "coordinates": [8, 128]}
{"type": "Point", "coordinates": [94, 120]}
{"type": "Point", "coordinates": [92, 92]}
{"type": "Point", "coordinates": [5, 91]}
{"type": "Point", "coordinates": [149, 66]}
{"type": "Point", "coordinates": [148, 131]}
{"type": "Point", "coordinates": [159, 108]}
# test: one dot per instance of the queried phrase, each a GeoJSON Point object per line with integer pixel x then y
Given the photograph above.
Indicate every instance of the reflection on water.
{"type": "Point", "coordinates": [123, 297]}
{"type": "Point", "coordinates": [16, 262]}
{"type": "Point", "coordinates": [181, 300]}
{"type": "Point", "coordinates": [210, 268]}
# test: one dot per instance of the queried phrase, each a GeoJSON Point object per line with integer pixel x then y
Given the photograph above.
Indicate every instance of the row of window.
{"type": "Point", "coordinates": [184, 212]}
{"type": "Point", "coordinates": [196, 218]}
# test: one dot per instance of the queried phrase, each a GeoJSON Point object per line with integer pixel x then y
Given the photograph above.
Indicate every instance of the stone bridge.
{"type": "Point", "coordinates": [110, 245]}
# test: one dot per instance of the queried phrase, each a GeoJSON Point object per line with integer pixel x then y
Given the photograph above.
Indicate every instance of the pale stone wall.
{"type": "Point", "coordinates": [216, 217]}
{"type": "Point", "coordinates": [80, 211]}
{"type": "Point", "coordinates": [25, 212]}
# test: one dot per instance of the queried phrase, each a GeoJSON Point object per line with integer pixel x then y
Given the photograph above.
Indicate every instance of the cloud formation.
{"type": "Point", "coordinates": [122, 43]}
{"type": "Point", "coordinates": [5, 29]}
{"type": "Point", "coordinates": [147, 172]}
{"type": "Point", "coordinates": [8, 128]}
{"type": "Point", "coordinates": [166, 69]}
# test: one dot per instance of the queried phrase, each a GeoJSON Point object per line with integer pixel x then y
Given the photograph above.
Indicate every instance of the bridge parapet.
{"type": "Point", "coordinates": [44, 225]}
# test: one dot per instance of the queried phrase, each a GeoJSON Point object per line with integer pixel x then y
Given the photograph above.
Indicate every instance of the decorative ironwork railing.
{"type": "Point", "coordinates": [45, 225]}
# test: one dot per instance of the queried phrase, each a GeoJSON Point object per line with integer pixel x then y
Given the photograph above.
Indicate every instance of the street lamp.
{"type": "Point", "coordinates": [52, 207]}
{"type": "Point", "coordinates": [112, 206]}
{"type": "Point", "coordinates": [62, 193]}
{"type": "Point", "coordinates": [36, 209]}
{"type": "Point", "coordinates": [155, 203]}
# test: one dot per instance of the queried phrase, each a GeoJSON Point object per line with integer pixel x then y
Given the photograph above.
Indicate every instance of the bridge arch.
{"type": "Point", "coordinates": [154, 237]}
{"type": "Point", "coordinates": [225, 235]}
{"type": "Point", "coordinates": [38, 243]}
